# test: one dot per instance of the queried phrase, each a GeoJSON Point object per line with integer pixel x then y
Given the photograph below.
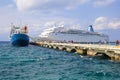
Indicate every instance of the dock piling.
{"type": "Point", "coordinates": [108, 51]}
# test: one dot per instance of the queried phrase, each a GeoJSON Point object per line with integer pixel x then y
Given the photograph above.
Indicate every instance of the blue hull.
{"type": "Point", "coordinates": [20, 40]}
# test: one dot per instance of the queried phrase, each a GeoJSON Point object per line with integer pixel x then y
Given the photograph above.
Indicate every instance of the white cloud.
{"type": "Point", "coordinates": [49, 23]}
{"type": "Point", "coordinates": [36, 24]}
{"type": "Point", "coordinates": [105, 23]}
{"type": "Point", "coordinates": [100, 3]}
{"type": "Point", "coordinates": [4, 30]}
{"type": "Point", "coordinates": [115, 24]}
{"type": "Point", "coordinates": [24, 5]}
{"type": "Point", "coordinates": [100, 22]}
{"type": "Point", "coordinates": [55, 22]}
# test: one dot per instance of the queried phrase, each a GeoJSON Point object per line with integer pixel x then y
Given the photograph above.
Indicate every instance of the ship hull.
{"type": "Point", "coordinates": [20, 40]}
{"type": "Point", "coordinates": [60, 34]}
{"type": "Point", "coordinates": [78, 38]}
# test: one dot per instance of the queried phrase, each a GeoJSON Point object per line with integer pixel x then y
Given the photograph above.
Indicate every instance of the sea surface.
{"type": "Point", "coordinates": [37, 63]}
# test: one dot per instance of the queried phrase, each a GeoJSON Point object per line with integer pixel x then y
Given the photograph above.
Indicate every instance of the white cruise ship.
{"type": "Point", "coordinates": [60, 34]}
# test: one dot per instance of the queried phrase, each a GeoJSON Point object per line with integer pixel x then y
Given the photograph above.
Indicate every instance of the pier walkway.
{"type": "Point", "coordinates": [109, 51]}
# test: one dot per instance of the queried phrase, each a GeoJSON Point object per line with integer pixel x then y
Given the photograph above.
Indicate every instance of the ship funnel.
{"type": "Point", "coordinates": [90, 28]}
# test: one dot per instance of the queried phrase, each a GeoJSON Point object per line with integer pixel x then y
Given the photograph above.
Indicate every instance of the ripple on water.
{"type": "Point", "coordinates": [37, 63]}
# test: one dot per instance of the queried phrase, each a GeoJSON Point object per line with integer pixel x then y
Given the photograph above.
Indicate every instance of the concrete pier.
{"type": "Point", "coordinates": [108, 51]}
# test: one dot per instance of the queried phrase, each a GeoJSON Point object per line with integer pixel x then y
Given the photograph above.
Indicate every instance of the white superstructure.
{"type": "Point", "coordinates": [18, 30]}
{"type": "Point", "coordinates": [60, 34]}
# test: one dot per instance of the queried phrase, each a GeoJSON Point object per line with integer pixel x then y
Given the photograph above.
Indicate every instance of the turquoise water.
{"type": "Point", "coordinates": [37, 63]}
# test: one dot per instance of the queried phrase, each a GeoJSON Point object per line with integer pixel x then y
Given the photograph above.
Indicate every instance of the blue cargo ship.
{"type": "Point", "coordinates": [19, 36]}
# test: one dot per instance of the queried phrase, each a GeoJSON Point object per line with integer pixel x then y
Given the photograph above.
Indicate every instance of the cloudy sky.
{"type": "Point", "coordinates": [104, 15]}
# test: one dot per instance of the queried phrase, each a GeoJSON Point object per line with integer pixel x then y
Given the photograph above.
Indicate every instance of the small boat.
{"type": "Point", "coordinates": [19, 36]}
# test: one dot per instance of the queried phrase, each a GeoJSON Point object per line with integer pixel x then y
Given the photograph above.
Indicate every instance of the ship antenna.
{"type": "Point", "coordinates": [11, 24]}
{"type": "Point", "coordinates": [55, 24]}
{"type": "Point", "coordinates": [11, 32]}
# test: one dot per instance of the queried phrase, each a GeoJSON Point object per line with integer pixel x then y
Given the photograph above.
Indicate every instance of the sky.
{"type": "Point", "coordinates": [38, 15]}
